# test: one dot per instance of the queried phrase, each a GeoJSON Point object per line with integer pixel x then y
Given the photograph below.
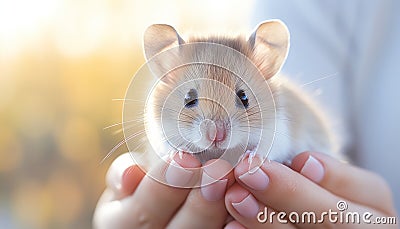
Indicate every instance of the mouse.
{"type": "Point", "coordinates": [224, 96]}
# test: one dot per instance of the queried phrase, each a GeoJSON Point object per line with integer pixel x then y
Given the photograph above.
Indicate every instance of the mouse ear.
{"type": "Point", "coordinates": [270, 43]}
{"type": "Point", "coordinates": [160, 37]}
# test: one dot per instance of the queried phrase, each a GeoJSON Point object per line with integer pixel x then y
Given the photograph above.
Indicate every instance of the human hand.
{"type": "Point", "coordinates": [135, 200]}
{"type": "Point", "coordinates": [314, 183]}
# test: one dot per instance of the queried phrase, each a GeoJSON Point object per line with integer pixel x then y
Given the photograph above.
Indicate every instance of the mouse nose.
{"type": "Point", "coordinates": [216, 132]}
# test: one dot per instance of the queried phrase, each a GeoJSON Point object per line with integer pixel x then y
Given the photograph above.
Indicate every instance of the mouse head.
{"type": "Point", "coordinates": [213, 94]}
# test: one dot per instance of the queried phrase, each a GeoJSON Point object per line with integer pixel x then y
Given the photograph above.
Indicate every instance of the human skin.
{"type": "Point", "coordinates": [313, 182]}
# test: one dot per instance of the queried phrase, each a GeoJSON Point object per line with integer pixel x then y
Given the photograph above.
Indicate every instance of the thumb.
{"type": "Point", "coordinates": [345, 180]}
{"type": "Point", "coordinates": [123, 176]}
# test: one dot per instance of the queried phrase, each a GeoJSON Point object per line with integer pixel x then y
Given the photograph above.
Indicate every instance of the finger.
{"type": "Point", "coordinates": [353, 215]}
{"type": "Point", "coordinates": [358, 216]}
{"type": "Point", "coordinates": [283, 189]}
{"type": "Point", "coordinates": [205, 206]}
{"type": "Point", "coordinates": [123, 176]}
{"type": "Point", "coordinates": [153, 203]}
{"type": "Point", "coordinates": [234, 225]}
{"type": "Point", "coordinates": [247, 211]}
{"type": "Point", "coordinates": [131, 179]}
{"type": "Point", "coordinates": [345, 180]}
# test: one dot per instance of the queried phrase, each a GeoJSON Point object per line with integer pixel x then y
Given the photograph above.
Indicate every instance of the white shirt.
{"type": "Point", "coordinates": [357, 44]}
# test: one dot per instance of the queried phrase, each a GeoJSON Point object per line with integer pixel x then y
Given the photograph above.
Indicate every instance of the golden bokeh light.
{"type": "Point", "coordinates": [31, 204]}
{"type": "Point", "coordinates": [68, 200]}
{"type": "Point", "coordinates": [10, 151]}
{"type": "Point", "coordinates": [78, 140]}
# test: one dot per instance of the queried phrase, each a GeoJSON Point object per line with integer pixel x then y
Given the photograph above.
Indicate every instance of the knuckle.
{"type": "Point", "coordinates": [291, 188]}
{"type": "Point", "coordinates": [142, 219]}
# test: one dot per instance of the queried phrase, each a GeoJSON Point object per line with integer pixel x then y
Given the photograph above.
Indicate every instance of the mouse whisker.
{"type": "Point", "coordinates": [132, 126]}
{"type": "Point", "coordinates": [142, 142]}
{"type": "Point", "coordinates": [170, 137]}
{"type": "Point", "coordinates": [117, 131]}
{"type": "Point", "coordinates": [184, 121]}
{"type": "Point", "coordinates": [251, 126]}
{"type": "Point", "coordinates": [130, 100]}
{"type": "Point", "coordinates": [246, 117]}
{"type": "Point", "coordinates": [280, 92]}
{"type": "Point", "coordinates": [177, 112]}
{"type": "Point", "coordinates": [121, 143]}
{"type": "Point", "coordinates": [141, 119]}
{"type": "Point", "coordinates": [319, 79]}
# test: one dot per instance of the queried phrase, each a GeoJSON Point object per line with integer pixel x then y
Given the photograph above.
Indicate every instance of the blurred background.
{"type": "Point", "coordinates": [61, 65]}
{"type": "Point", "coordinates": [63, 62]}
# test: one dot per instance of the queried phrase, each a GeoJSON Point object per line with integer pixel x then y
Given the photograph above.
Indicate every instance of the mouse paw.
{"type": "Point", "coordinates": [172, 154]}
{"type": "Point", "coordinates": [252, 154]}
{"type": "Point", "coordinates": [180, 154]}
{"type": "Point", "coordinates": [249, 154]}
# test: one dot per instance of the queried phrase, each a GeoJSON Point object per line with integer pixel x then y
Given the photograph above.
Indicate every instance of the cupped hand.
{"type": "Point", "coordinates": [135, 200]}
{"type": "Point", "coordinates": [315, 183]}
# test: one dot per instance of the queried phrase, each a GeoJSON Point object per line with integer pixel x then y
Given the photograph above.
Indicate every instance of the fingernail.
{"type": "Point", "coordinates": [129, 180]}
{"type": "Point", "coordinates": [128, 172]}
{"type": "Point", "coordinates": [115, 173]}
{"type": "Point", "coordinates": [211, 189]}
{"type": "Point", "coordinates": [248, 207]}
{"type": "Point", "coordinates": [313, 169]}
{"type": "Point", "coordinates": [255, 179]}
{"type": "Point", "coordinates": [176, 175]}
{"type": "Point", "coordinates": [234, 225]}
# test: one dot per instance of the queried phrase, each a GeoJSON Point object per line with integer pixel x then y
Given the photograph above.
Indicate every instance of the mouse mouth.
{"type": "Point", "coordinates": [209, 154]}
{"type": "Point", "coordinates": [216, 146]}
{"type": "Point", "coordinates": [231, 155]}
{"type": "Point", "coordinates": [217, 150]}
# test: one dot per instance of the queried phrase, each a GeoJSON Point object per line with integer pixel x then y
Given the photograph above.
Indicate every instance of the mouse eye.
{"type": "Point", "coordinates": [191, 98]}
{"type": "Point", "coordinates": [242, 99]}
